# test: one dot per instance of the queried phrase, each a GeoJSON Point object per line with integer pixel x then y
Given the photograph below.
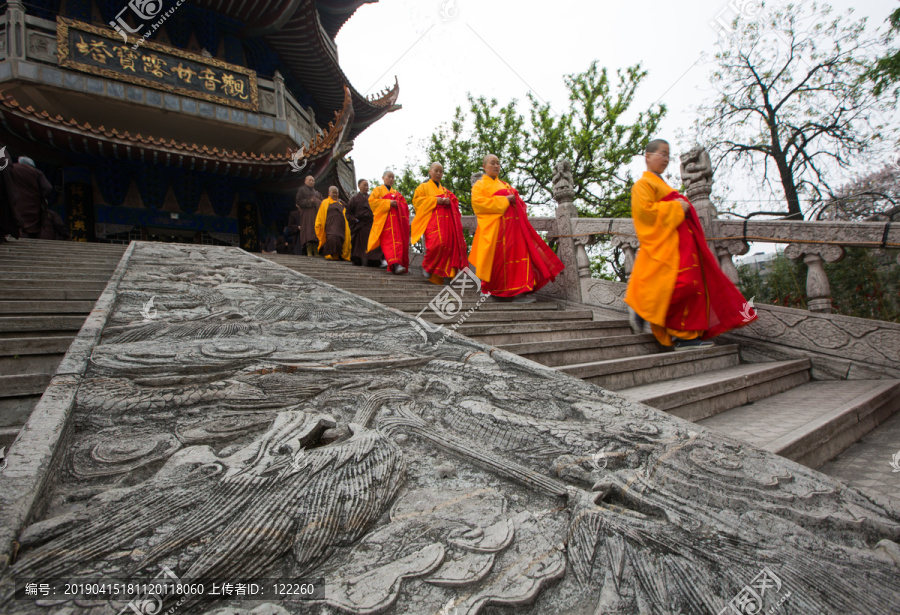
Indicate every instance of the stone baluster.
{"type": "Point", "coordinates": [818, 290]}
{"type": "Point", "coordinates": [725, 251]}
{"type": "Point", "coordinates": [571, 252]}
{"type": "Point", "coordinates": [629, 247]}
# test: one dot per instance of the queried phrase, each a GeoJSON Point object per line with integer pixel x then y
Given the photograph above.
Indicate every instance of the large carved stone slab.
{"type": "Point", "coordinates": [256, 423]}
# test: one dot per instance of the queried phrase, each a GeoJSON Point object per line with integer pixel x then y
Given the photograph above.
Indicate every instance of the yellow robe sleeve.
{"type": "Point", "coordinates": [348, 246]}
{"type": "Point", "coordinates": [424, 203]}
{"type": "Point", "coordinates": [655, 269]}
{"type": "Point", "coordinates": [320, 220]}
{"type": "Point", "coordinates": [488, 209]}
{"type": "Point", "coordinates": [381, 207]}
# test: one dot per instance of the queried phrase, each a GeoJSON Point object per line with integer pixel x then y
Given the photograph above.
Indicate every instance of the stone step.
{"type": "Point", "coordinates": [498, 335]}
{"type": "Point", "coordinates": [68, 247]}
{"type": "Point", "coordinates": [381, 295]}
{"type": "Point", "coordinates": [706, 394]}
{"type": "Point", "coordinates": [17, 385]}
{"type": "Point", "coordinates": [35, 345]}
{"type": "Point", "coordinates": [86, 275]}
{"type": "Point", "coordinates": [55, 261]}
{"type": "Point", "coordinates": [39, 256]}
{"type": "Point", "coordinates": [17, 324]}
{"type": "Point", "coordinates": [30, 364]}
{"type": "Point", "coordinates": [50, 294]}
{"type": "Point", "coordinates": [57, 284]}
{"type": "Point", "coordinates": [523, 318]}
{"type": "Point", "coordinates": [14, 411]}
{"type": "Point", "coordinates": [46, 307]}
{"type": "Point", "coordinates": [486, 306]}
{"type": "Point", "coordinates": [620, 374]}
{"type": "Point", "coordinates": [60, 270]}
{"type": "Point", "coordinates": [377, 280]}
{"type": "Point", "coordinates": [573, 352]}
{"type": "Point", "coordinates": [814, 422]}
{"type": "Point", "coordinates": [867, 463]}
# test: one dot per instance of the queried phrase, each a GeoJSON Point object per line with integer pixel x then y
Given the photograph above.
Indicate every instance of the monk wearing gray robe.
{"type": "Point", "coordinates": [359, 216]}
{"type": "Point", "coordinates": [32, 191]}
{"type": "Point", "coordinates": [302, 223]}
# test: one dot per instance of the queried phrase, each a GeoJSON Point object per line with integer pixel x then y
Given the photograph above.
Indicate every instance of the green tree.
{"type": "Point", "coordinates": [783, 283]}
{"type": "Point", "coordinates": [885, 72]}
{"type": "Point", "coordinates": [791, 108]}
{"type": "Point", "coordinates": [865, 284]}
{"type": "Point", "coordinates": [591, 132]}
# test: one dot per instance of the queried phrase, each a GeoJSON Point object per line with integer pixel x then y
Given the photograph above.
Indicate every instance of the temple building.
{"type": "Point", "coordinates": [181, 121]}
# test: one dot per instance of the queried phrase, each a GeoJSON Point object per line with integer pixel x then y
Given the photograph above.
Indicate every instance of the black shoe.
{"type": "Point", "coordinates": [637, 323]}
{"type": "Point", "coordinates": [695, 344]}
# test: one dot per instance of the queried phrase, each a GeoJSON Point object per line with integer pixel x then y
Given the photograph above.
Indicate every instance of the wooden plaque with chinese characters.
{"type": "Point", "coordinates": [101, 51]}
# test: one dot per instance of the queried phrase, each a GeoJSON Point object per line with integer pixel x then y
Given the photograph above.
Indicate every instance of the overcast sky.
{"type": "Point", "coordinates": [439, 50]}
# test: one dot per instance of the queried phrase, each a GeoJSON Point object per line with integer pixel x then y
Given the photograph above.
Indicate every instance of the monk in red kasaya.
{"type": "Point", "coordinates": [390, 225]}
{"type": "Point", "coordinates": [509, 256]}
{"type": "Point", "coordinates": [676, 284]}
{"type": "Point", "coordinates": [439, 219]}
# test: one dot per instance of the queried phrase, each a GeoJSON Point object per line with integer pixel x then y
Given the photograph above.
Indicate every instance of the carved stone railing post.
{"type": "Point", "coordinates": [818, 290]}
{"type": "Point", "coordinates": [696, 173]}
{"type": "Point", "coordinates": [15, 30]}
{"type": "Point", "coordinates": [280, 103]}
{"type": "Point", "coordinates": [571, 252]}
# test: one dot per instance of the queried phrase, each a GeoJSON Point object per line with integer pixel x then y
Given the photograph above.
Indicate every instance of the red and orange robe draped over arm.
{"type": "Point", "coordinates": [676, 283]}
{"type": "Point", "coordinates": [333, 250]}
{"type": "Point", "coordinates": [508, 254]}
{"type": "Point", "coordinates": [390, 226]}
{"type": "Point", "coordinates": [445, 245]}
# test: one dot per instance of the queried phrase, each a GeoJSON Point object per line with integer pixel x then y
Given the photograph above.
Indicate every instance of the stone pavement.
{"type": "Point", "coordinates": [763, 422]}
{"type": "Point", "coordinates": [867, 464]}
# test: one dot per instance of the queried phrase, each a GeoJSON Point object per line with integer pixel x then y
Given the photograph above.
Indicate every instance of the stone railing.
{"type": "Point", "coordinates": [840, 346]}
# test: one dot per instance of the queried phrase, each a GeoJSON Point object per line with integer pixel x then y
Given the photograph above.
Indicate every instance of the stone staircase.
{"type": "Point", "coordinates": [47, 289]}
{"type": "Point", "coordinates": [774, 405]}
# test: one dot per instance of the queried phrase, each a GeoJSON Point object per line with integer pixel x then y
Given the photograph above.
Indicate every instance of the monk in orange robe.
{"type": "Point", "coordinates": [390, 225]}
{"type": "Point", "coordinates": [509, 256]}
{"type": "Point", "coordinates": [676, 284]}
{"type": "Point", "coordinates": [439, 219]}
{"type": "Point", "coordinates": [332, 229]}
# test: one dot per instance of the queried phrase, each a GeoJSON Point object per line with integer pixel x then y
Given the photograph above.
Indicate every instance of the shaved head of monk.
{"type": "Point", "coordinates": [436, 172]}
{"type": "Point", "coordinates": [657, 156]}
{"type": "Point", "coordinates": [310, 181]}
{"type": "Point", "coordinates": [491, 165]}
{"type": "Point", "coordinates": [388, 178]}
{"type": "Point", "coordinates": [333, 192]}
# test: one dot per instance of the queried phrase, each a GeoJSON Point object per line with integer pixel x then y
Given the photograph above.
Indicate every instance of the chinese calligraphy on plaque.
{"type": "Point", "coordinates": [98, 51]}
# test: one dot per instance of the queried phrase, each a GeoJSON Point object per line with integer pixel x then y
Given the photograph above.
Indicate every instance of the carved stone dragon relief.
{"type": "Point", "coordinates": [260, 423]}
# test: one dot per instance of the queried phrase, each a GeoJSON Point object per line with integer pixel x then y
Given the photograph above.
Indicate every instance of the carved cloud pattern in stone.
{"type": "Point", "coordinates": [269, 425]}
